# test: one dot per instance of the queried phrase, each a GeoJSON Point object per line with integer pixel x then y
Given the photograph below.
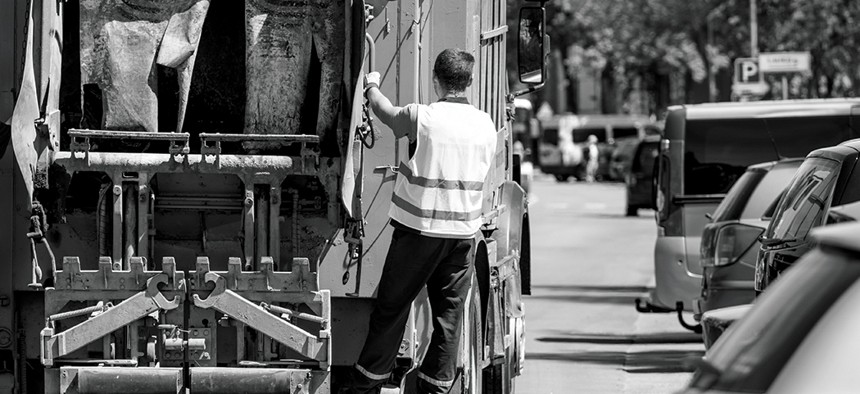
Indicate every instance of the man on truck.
{"type": "Point", "coordinates": [436, 215]}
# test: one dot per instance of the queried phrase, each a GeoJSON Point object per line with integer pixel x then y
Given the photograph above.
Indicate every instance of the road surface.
{"type": "Point", "coordinates": [589, 263]}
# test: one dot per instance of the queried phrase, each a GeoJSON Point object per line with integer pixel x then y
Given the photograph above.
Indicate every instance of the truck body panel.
{"type": "Point", "coordinates": [206, 234]}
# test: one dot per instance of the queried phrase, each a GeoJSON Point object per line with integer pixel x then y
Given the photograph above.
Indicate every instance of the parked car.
{"type": "Point", "coordinates": [825, 190]}
{"type": "Point", "coordinates": [730, 241]}
{"type": "Point", "coordinates": [622, 159]}
{"type": "Point", "coordinates": [640, 179]}
{"type": "Point", "coordinates": [801, 335]}
{"type": "Point", "coordinates": [705, 149]}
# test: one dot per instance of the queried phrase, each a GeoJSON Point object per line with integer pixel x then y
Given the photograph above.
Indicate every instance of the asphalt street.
{"type": "Point", "coordinates": [589, 264]}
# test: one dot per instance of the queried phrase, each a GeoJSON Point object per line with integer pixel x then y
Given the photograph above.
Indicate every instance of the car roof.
{"type": "Point", "coordinates": [838, 152]}
{"type": "Point", "coordinates": [844, 236]}
{"type": "Point", "coordinates": [763, 109]}
{"type": "Point", "coordinates": [767, 166]}
{"type": "Point", "coordinates": [762, 166]}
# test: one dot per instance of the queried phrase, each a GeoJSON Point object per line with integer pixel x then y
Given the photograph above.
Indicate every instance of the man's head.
{"type": "Point", "coordinates": [452, 72]}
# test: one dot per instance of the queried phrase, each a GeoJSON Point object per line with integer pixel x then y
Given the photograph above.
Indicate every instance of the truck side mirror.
{"type": "Point", "coordinates": [532, 46]}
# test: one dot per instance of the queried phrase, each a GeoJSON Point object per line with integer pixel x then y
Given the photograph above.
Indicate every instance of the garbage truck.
{"type": "Point", "coordinates": [195, 194]}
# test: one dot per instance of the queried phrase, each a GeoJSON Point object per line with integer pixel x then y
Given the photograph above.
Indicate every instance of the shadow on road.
{"type": "Point", "coordinates": [614, 215]}
{"type": "Point", "coordinates": [589, 294]}
{"type": "Point", "coordinates": [629, 339]}
{"type": "Point", "coordinates": [588, 298]}
{"type": "Point", "coordinates": [657, 361]}
{"type": "Point", "coordinates": [607, 288]}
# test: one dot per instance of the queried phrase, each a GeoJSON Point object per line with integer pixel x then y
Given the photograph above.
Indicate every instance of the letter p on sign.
{"type": "Point", "coordinates": [747, 70]}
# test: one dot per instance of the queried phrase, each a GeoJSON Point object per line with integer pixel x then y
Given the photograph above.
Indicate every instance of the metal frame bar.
{"type": "Point", "coordinates": [55, 345]}
{"type": "Point", "coordinates": [490, 34]}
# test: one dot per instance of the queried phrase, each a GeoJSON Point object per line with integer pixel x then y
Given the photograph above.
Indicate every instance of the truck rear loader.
{"type": "Point", "coordinates": [195, 195]}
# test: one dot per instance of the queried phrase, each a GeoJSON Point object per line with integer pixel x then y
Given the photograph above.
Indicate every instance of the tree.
{"type": "Point", "coordinates": [655, 41]}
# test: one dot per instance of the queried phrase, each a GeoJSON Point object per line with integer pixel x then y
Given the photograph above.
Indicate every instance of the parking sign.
{"type": "Point", "coordinates": [747, 70]}
{"type": "Point", "coordinates": [748, 78]}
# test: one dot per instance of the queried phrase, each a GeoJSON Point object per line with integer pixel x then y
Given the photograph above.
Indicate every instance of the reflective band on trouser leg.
{"type": "Point", "coordinates": [371, 375]}
{"type": "Point", "coordinates": [442, 383]}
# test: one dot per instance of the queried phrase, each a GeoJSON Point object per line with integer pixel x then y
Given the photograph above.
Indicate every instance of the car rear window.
{"type": "Point", "coordinates": [769, 190]}
{"type": "Point", "coordinates": [735, 201]}
{"type": "Point", "coordinates": [806, 199]}
{"type": "Point", "coordinates": [646, 156]}
{"type": "Point", "coordinates": [753, 352]}
{"type": "Point", "coordinates": [717, 151]}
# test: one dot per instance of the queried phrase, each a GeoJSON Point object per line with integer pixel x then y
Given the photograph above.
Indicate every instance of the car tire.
{"type": "Point", "coordinates": [562, 178]}
{"type": "Point", "coordinates": [632, 210]}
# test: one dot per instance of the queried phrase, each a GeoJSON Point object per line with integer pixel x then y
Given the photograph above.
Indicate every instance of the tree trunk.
{"type": "Point", "coordinates": [609, 89]}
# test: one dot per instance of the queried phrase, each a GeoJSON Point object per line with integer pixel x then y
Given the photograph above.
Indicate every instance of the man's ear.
{"type": "Point", "coordinates": [470, 81]}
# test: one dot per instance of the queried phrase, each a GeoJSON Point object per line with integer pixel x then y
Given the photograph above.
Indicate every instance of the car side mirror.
{"type": "Point", "coordinates": [532, 45]}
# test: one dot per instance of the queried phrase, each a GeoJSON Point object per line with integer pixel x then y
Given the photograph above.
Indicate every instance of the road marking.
{"type": "Point", "coordinates": [595, 206]}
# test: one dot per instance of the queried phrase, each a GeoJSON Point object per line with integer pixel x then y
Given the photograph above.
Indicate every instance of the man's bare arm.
{"type": "Point", "coordinates": [382, 106]}
{"type": "Point", "coordinates": [401, 120]}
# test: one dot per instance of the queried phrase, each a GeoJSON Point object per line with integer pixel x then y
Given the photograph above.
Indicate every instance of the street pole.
{"type": "Point", "coordinates": [754, 33]}
{"type": "Point", "coordinates": [753, 29]}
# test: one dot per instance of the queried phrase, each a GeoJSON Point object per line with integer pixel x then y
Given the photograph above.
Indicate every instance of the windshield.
{"type": "Point", "coordinates": [625, 132]}
{"type": "Point", "coordinates": [732, 206]}
{"type": "Point", "coordinates": [806, 199]}
{"type": "Point", "coordinates": [717, 151]}
{"type": "Point", "coordinates": [550, 136]}
{"type": "Point", "coordinates": [581, 135]}
{"type": "Point", "coordinates": [752, 353]}
{"type": "Point", "coordinates": [817, 364]}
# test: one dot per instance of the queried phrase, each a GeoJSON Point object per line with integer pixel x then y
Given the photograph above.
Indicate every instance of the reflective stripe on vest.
{"type": "Point", "coordinates": [433, 213]}
{"type": "Point", "coordinates": [439, 183]}
{"type": "Point", "coordinates": [440, 190]}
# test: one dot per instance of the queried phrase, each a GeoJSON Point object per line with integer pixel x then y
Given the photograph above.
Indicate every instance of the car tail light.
{"type": "Point", "coordinates": [706, 247]}
{"type": "Point", "coordinates": [733, 241]}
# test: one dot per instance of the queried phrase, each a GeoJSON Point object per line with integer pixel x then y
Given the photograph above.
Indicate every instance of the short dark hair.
{"type": "Point", "coordinates": [453, 68]}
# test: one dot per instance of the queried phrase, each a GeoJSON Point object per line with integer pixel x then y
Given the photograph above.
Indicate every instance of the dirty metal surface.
{"type": "Point", "coordinates": [123, 41]}
{"type": "Point", "coordinates": [304, 71]}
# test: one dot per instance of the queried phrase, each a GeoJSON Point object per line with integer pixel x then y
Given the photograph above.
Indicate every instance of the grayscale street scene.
{"type": "Point", "coordinates": [429, 196]}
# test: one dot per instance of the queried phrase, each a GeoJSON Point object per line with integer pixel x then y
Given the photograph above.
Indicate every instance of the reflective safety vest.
{"type": "Point", "coordinates": [439, 192]}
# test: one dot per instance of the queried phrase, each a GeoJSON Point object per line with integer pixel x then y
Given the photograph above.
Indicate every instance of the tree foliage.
{"type": "Point", "coordinates": [700, 38]}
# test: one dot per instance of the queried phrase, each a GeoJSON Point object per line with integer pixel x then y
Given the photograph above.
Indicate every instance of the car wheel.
{"type": "Point", "coordinates": [562, 178]}
{"type": "Point", "coordinates": [632, 210]}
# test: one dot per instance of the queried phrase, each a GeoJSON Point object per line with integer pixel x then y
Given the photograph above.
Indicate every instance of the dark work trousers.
{"type": "Point", "coordinates": [413, 260]}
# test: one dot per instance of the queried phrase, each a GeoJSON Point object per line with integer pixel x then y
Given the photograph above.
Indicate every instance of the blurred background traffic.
{"type": "Point", "coordinates": [736, 122]}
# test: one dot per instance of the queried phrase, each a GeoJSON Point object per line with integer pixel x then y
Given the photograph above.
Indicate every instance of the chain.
{"type": "Point", "coordinates": [365, 130]}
